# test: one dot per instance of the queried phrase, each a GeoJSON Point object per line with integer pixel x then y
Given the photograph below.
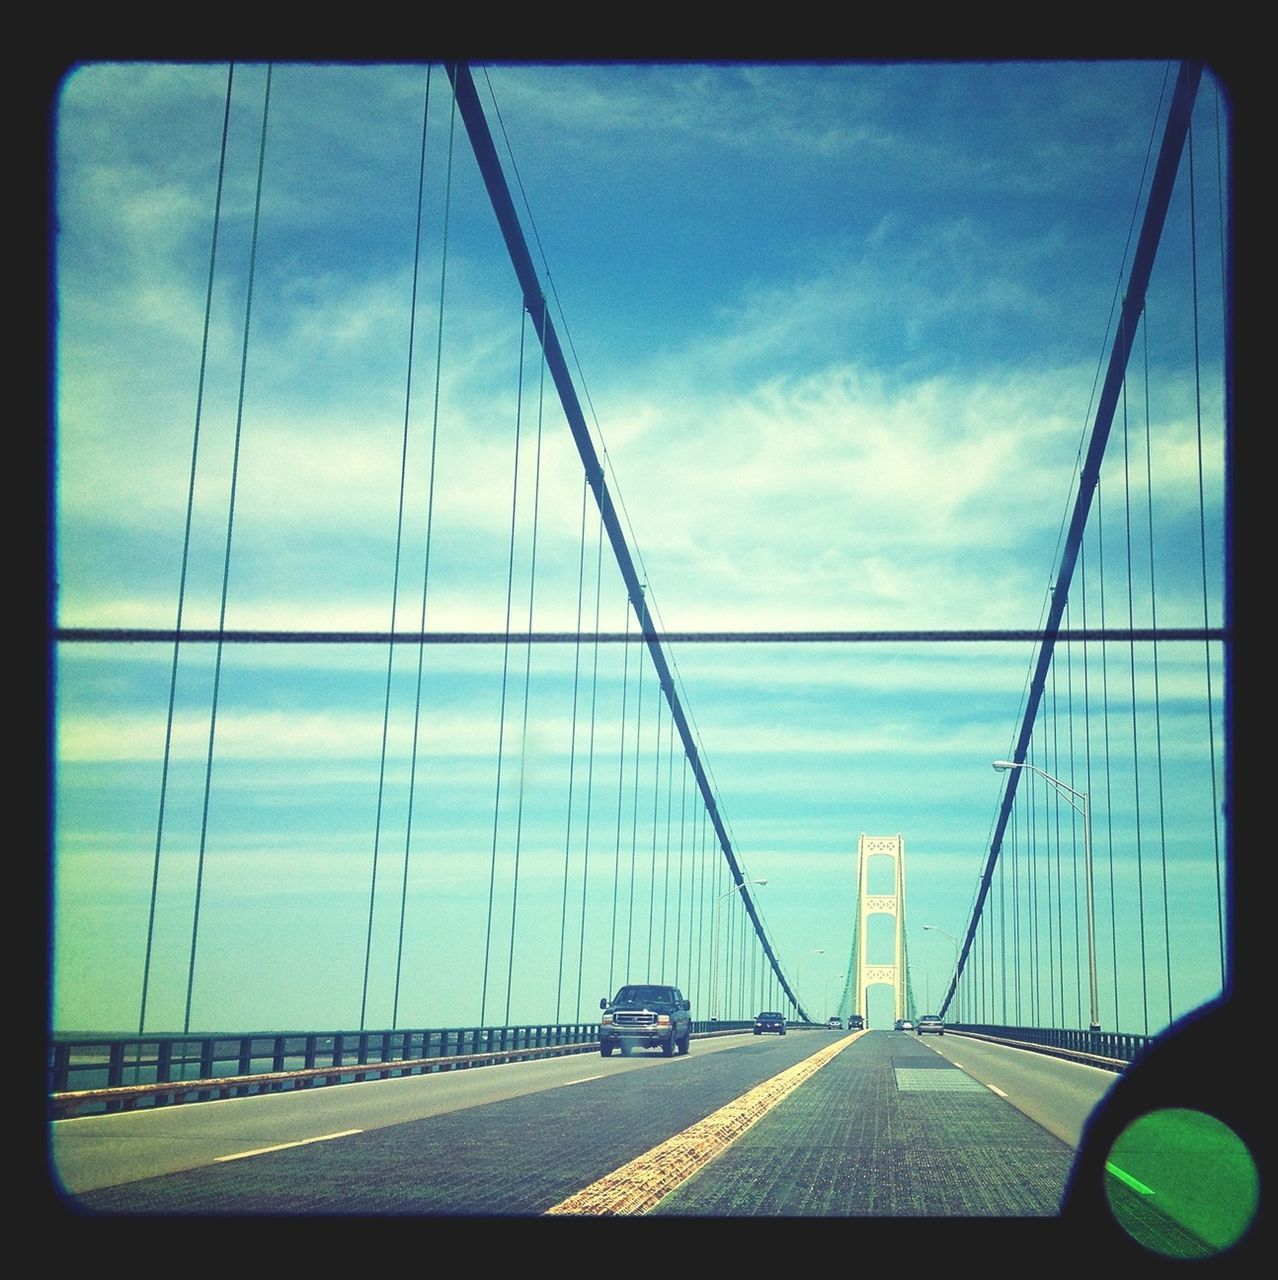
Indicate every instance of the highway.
{"type": "Point", "coordinates": [874, 1124]}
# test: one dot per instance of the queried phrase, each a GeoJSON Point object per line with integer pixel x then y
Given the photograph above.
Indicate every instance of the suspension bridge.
{"type": "Point", "coordinates": [376, 731]}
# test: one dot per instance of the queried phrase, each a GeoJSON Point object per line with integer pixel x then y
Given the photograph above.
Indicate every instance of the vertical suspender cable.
{"type": "Point", "coordinates": [226, 560]}
{"type": "Point", "coordinates": [652, 870]}
{"type": "Point", "coordinates": [572, 749]}
{"type": "Point", "coordinates": [399, 533]}
{"type": "Point", "coordinates": [505, 669]}
{"type": "Point", "coordinates": [430, 519]}
{"type": "Point", "coordinates": [590, 775]}
{"type": "Point", "coordinates": [1131, 650]}
{"type": "Point", "coordinates": [186, 550]}
{"type": "Point", "coordinates": [634, 822]}
{"type": "Point", "coordinates": [1057, 770]}
{"type": "Point", "coordinates": [1158, 715]}
{"type": "Point", "coordinates": [1073, 820]}
{"type": "Point", "coordinates": [1087, 706]}
{"type": "Point", "coordinates": [523, 738]}
{"type": "Point", "coordinates": [683, 811]}
{"type": "Point", "coordinates": [621, 787]}
{"type": "Point", "coordinates": [1202, 519]}
{"type": "Point", "coordinates": [1109, 773]}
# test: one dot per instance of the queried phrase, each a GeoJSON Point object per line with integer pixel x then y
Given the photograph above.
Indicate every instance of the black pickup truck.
{"type": "Point", "coordinates": [648, 1016]}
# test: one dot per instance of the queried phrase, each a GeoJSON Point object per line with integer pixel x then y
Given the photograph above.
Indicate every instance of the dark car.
{"type": "Point", "coordinates": [930, 1022]}
{"type": "Point", "coordinates": [769, 1022]}
{"type": "Point", "coordinates": [647, 1016]}
{"type": "Point", "coordinates": [856, 1022]}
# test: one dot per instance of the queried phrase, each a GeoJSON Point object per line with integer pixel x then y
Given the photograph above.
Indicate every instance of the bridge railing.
{"type": "Point", "coordinates": [107, 1062]}
{"type": "Point", "coordinates": [1111, 1049]}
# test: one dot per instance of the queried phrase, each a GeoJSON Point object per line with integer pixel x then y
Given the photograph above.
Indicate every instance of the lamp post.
{"type": "Point", "coordinates": [954, 943]}
{"type": "Point", "coordinates": [1077, 800]}
{"type": "Point", "coordinates": [798, 970]}
{"type": "Point", "coordinates": [714, 958]}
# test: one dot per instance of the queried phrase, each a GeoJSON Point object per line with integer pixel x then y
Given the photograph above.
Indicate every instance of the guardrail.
{"type": "Point", "coordinates": [123, 1073]}
{"type": "Point", "coordinates": [1111, 1050]}
{"type": "Point", "coordinates": [82, 1064]}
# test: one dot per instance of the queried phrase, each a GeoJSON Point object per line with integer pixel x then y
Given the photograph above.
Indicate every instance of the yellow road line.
{"type": "Point", "coordinates": [640, 1185]}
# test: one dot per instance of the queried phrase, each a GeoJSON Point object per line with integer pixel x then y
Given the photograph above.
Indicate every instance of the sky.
{"type": "Point", "coordinates": [837, 332]}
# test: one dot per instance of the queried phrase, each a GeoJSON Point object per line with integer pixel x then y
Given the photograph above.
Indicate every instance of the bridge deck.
{"type": "Point", "coordinates": [888, 1128]}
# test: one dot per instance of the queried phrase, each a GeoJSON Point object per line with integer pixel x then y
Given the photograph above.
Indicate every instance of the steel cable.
{"type": "Point", "coordinates": [186, 552]}
{"type": "Point", "coordinates": [226, 559]}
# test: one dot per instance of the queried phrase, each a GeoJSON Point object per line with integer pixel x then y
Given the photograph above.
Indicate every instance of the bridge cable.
{"type": "Point", "coordinates": [1105, 739]}
{"type": "Point", "coordinates": [1073, 820]}
{"type": "Point", "coordinates": [1016, 920]}
{"type": "Point", "coordinates": [621, 784]}
{"type": "Point", "coordinates": [1087, 706]}
{"type": "Point", "coordinates": [523, 739]}
{"type": "Point", "coordinates": [1202, 521]}
{"type": "Point", "coordinates": [652, 874]}
{"type": "Point", "coordinates": [226, 560]}
{"type": "Point", "coordinates": [1133, 303]}
{"type": "Point", "coordinates": [572, 749]}
{"type": "Point", "coordinates": [534, 296]}
{"type": "Point", "coordinates": [1140, 875]}
{"type": "Point", "coordinates": [186, 550]}
{"type": "Point", "coordinates": [665, 898]}
{"type": "Point", "coordinates": [430, 499]}
{"type": "Point", "coordinates": [683, 813]}
{"type": "Point", "coordinates": [505, 670]}
{"type": "Point", "coordinates": [1055, 928]}
{"type": "Point", "coordinates": [532, 222]}
{"type": "Point", "coordinates": [1118, 282]}
{"type": "Point", "coordinates": [634, 824]}
{"type": "Point", "coordinates": [1158, 716]}
{"type": "Point", "coordinates": [590, 772]}
{"type": "Point", "coordinates": [1027, 691]}
{"type": "Point", "coordinates": [399, 543]}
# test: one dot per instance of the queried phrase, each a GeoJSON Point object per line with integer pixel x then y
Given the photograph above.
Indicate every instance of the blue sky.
{"type": "Point", "coordinates": [837, 330]}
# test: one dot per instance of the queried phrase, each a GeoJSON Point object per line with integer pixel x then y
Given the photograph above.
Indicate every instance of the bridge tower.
{"type": "Point", "coordinates": [861, 973]}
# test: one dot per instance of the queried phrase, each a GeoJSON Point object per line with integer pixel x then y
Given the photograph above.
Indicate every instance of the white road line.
{"type": "Point", "coordinates": [283, 1146]}
{"type": "Point", "coordinates": [586, 1079]}
{"type": "Point", "coordinates": [993, 1088]}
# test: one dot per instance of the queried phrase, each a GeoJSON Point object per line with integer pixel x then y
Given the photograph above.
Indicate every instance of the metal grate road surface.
{"type": "Point", "coordinates": [886, 1129]}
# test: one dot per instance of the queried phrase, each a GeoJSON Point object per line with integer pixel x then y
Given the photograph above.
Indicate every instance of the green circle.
{"type": "Point", "coordinates": [1182, 1183]}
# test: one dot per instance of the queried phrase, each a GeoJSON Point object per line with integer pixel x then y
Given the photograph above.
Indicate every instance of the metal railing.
{"type": "Point", "coordinates": [141, 1064]}
{"type": "Point", "coordinates": [1113, 1050]}
{"type": "Point", "coordinates": [123, 1073]}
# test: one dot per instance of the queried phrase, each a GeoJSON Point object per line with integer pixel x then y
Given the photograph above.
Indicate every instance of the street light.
{"type": "Point", "coordinates": [1073, 797]}
{"type": "Point", "coordinates": [954, 943]}
{"type": "Point", "coordinates": [714, 959]}
{"type": "Point", "coordinates": [798, 970]}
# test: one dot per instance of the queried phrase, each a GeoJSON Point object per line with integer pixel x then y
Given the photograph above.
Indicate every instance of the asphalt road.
{"type": "Point", "coordinates": [887, 1127]}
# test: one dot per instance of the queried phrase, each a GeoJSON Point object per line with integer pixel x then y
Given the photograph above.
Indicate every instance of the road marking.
{"type": "Point", "coordinates": [586, 1079]}
{"type": "Point", "coordinates": [993, 1088]}
{"type": "Point", "coordinates": [640, 1185]}
{"type": "Point", "coordinates": [1134, 1183]}
{"type": "Point", "coordinates": [283, 1146]}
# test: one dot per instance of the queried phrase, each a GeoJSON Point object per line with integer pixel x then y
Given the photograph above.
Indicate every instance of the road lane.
{"type": "Point", "coordinates": [90, 1152]}
{"type": "Point", "coordinates": [518, 1154]}
{"type": "Point", "coordinates": [1053, 1092]}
